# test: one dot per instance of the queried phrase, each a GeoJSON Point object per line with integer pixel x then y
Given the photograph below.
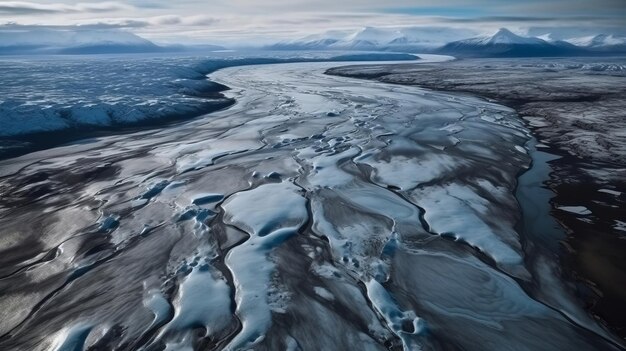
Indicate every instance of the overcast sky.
{"type": "Point", "coordinates": [257, 20]}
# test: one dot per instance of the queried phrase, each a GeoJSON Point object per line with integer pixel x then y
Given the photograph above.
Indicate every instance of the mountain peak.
{"type": "Point", "coordinates": [505, 36]}
{"type": "Point", "coordinates": [374, 35]}
{"type": "Point", "coordinates": [605, 40]}
{"type": "Point", "coordinates": [505, 32]}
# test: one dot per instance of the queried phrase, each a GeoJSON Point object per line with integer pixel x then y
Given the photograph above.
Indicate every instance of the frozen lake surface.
{"type": "Point", "coordinates": [317, 213]}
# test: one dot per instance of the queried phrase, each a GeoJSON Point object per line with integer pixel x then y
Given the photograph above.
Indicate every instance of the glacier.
{"type": "Point", "coordinates": [317, 213]}
{"type": "Point", "coordinates": [79, 94]}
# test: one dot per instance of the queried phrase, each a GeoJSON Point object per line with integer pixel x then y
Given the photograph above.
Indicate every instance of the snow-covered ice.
{"type": "Point", "coordinates": [319, 212]}
{"type": "Point", "coordinates": [43, 94]}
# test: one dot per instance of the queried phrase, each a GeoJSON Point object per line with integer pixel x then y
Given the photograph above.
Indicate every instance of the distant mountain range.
{"type": "Point", "coordinates": [503, 43]}
{"type": "Point", "coordinates": [410, 39]}
{"type": "Point", "coordinates": [81, 42]}
{"type": "Point", "coordinates": [439, 40]}
{"type": "Point", "coordinates": [601, 42]}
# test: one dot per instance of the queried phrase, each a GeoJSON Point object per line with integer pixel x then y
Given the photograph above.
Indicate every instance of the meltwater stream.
{"type": "Point", "coordinates": [317, 213]}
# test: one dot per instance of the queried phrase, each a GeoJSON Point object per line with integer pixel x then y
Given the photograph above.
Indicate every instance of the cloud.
{"type": "Point", "coordinates": [30, 8]}
{"type": "Point", "coordinates": [167, 21]}
{"type": "Point", "coordinates": [558, 8]}
{"type": "Point", "coordinates": [199, 20]}
{"type": "Point", "coordinates": [523, 19]}
{"type": "Point", "coordinates": [567, 32]}
{"type": "Point", "coordinates": [121, 24]}
{"type": "Point", "coordinates": [264, 21]}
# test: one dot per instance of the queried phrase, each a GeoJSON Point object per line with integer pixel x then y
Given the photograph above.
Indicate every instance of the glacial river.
{"type": "Point", "coordinates": [317, 213]}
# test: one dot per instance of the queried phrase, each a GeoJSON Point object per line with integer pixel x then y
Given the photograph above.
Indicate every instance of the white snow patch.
{"type": "Point", "coordinates": [620, 225]}
{"type": "Point", "coordinates": [323, 293]}
{"type": "Point", "coordinates": [579, 210]}
{"type": "Point", "coordinates": [610, 192]}
{"type": "Point", "coordinates": [456, 210]}
{"type": "Point", "coordinates": [394, 316]}
{"type": "Point", "coordinates": [202, 299]}
{"type": "Point", "coordinates": [270, 214]}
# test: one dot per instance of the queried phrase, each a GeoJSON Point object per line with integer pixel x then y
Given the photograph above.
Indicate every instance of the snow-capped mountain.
{"type": "Point", "coordinates": [600, 40]}
{"type": "Point", "coordinates": [505, 37]}
{"type": "Point", "coordinates": [378, 36]}
{"type": "Point", "coordinates": [82, 41]}
{"type": "Point", "coordinates": [368, 38]}
{"type": "Point", "coordinates": [505, 43]}
{"type": "Point", "coordinates": [372, 38]}
{"type": "Point", "coordinates": [601, 43]}
{"type": "Point", "coordinates": [547, 37]}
